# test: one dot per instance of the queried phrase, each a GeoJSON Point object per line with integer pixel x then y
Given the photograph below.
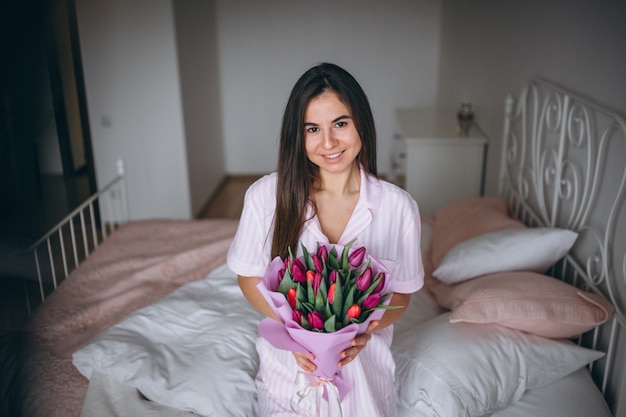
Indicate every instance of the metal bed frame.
{"type": "Point", "coordinates": [68, 243]}
{"type": "Point", "coordinates": [564, 165]}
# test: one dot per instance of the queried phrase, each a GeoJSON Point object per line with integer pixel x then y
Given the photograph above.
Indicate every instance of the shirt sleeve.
{"type": "Point", "coordinates": [409, 273]}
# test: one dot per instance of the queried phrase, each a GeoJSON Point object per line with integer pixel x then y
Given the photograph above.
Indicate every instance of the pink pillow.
{"type": "Point", "coordinates": [526, 301]}
{"type": "Point", "coordinates": [464, 219]}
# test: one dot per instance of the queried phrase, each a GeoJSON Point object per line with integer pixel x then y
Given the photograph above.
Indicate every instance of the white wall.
{"type": "Point", "coordinates": [491, 48]}
{"type": "Point", "coordinates": [391, 47]}
{"type": "Point", "coordinates": [131, 74]}
{"type": "Point", "coordinates": [197, 60]}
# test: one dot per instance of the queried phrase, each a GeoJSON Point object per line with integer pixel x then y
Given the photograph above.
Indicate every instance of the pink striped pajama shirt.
{"type": "Point", "coordinates": [386, 221]}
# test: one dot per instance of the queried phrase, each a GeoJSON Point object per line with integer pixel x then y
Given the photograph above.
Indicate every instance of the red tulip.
{"type": "Point", "coordinates": [291, 297]}
{"type": "Point", "coordinates": [354, 311]}
{"type": "Point", "coordinates": [364, 280]}
{"type": "Point", "coordinates": [371, 301]}
{"type": "Point", "coordinates": [331, 292]}
{"type": "Point", "coordinates": [297, 271]}
{"type": "Point", "coordinates": [310, 275]}
{"type": "Point", "coordinates": [356, 257]}
{"type": "Point", "coordinates": [316, 320]}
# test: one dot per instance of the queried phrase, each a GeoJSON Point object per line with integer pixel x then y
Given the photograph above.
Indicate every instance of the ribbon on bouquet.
{"type": "Point", "coordinates": [310, 383]}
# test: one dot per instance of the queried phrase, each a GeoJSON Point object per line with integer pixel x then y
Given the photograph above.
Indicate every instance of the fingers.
{"type": "Point", "coordinates": [358, 344]}
{"type": "Point", "coordinates": [304, 361]}
{"type": "Point", "coordinates": [371, 326]}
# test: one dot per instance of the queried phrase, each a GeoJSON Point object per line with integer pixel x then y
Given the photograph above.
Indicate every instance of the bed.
{"type": "Point", "coordinates": [522, 312]}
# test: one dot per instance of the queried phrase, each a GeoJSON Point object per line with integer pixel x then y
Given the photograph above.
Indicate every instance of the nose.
{"type": "Point", "coordinates": [329, 141]}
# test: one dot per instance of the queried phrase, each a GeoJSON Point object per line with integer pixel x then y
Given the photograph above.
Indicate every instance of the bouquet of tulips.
{"type": "Point", "coordinates": [323, 299]}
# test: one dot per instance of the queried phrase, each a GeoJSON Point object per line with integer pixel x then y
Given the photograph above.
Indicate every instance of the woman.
{"type": "Point", "coordinates": [326, 190]}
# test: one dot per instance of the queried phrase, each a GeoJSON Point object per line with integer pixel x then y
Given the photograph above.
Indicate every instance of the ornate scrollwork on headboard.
{"type": "Point", "coordinates": [564, 165]}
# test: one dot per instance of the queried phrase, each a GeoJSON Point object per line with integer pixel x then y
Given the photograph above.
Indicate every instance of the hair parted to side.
{"type": "Point", "coordinates": [296, 174]}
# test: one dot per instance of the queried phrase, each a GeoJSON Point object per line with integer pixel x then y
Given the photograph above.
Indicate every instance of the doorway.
{"type": "Point", "coordinates": [46, 160]}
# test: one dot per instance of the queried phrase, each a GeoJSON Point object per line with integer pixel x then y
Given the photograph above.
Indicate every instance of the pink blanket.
{"type": "Point", "coordinates": [138, 264]}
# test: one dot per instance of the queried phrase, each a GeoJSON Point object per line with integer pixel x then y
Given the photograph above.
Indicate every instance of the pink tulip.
{"type": "Point", "coordinates": [298, 270]}
{"type": "Point", "coordinates": [354, 311]}
{"type": "Point", "coordinates": [317, 263]}
{"type": "Point", "coordinates": [356, 257]}
{"type": "Point", "coordinates": [364, 280]}
{"type": "Point", "coordinates": [316, 322]}
{"type": "Point", "coordinates": [317, 281]}
{"type": "Point", "coordinates": [322, 253]}
{"type": "Point", "coordinates": [297, 316]}
{"type": "Point", "coordinates": [333, 276]}
{"type": "Point", "coordinates": [281, 275]}
{"type": "Point", "coordinates": [371, 301]}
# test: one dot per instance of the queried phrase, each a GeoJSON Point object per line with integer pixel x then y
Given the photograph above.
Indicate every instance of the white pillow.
{"type": "Point", "coordinates": [531, 249]}
{"type": "Point", "coordinates": [461, 369]}
{"type": "Point", "coordinates": [575, 395]}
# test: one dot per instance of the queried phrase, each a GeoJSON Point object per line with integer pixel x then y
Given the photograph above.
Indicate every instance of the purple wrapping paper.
{"type": "Point", "coordinates": [289, 335]}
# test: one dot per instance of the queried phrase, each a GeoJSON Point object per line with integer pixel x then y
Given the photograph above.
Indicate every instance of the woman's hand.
{"type": "Point", "coordinates": [358, 344]}
{"type": "Point", "coordinates": [305, 361]}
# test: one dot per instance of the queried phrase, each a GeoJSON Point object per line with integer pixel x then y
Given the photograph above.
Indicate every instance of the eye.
{"type": "Point", "coordinates": [312, 129]}
{"type": "Point", "coordinates": [341, 124]}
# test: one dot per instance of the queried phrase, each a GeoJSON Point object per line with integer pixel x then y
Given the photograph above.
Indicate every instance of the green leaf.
{"type": "Point", "coordinates": [332, 258]}
{"type": "Point", "coordinates": [329, 325]}
{"type": "Point", "coordinates": [309, 291]}
{"type": "Point", "coordinates": [327, 310]}
{"type": "Point", "coordinates": [305, 323]}
{"type": "Point", "coordinates": [320, 302]}
{"type": "Point", "coordinates": [308, 260]}
{"type": "Point", "coordinates": [286, 283]}
{"type": "Point", "coordinates": [345, 265]}
{"type": "Point", "coordinates": [348, 301]}
{"type": "Point", "coordinates": [338, 301]}
{"type": "Point", "coordinates": [307, 307]}
{"type": "Point", "coordinates": [299, 297]}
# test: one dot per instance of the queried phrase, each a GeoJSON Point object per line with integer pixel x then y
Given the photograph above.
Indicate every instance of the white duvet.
{"type": "Point", "coordinates": [193, 350]}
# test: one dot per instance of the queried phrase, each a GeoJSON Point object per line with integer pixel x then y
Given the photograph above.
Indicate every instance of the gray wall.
{"type": "Point", "coordinates": [391, 47]}
{"type": "Point", "coordinates": [491, 48]}
{"type": "Point", "coordinates": [188, 91]}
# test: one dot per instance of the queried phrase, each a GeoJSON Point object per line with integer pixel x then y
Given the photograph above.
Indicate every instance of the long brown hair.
{"type": "Point", "coordinates": [296, 174]}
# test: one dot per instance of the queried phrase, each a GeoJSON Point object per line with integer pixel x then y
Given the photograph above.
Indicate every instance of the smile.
{"type": "Point", "coordinates": [333, 156]}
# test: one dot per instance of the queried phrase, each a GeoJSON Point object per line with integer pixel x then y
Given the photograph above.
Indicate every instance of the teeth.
{"type": "Point", "coordinates": [333, 156]}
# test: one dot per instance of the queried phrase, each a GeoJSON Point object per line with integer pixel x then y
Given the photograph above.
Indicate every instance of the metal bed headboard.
{"type": "Point", "coordinates": [67, 244]}
{"type": "Point", "coordinates": [564, 165]}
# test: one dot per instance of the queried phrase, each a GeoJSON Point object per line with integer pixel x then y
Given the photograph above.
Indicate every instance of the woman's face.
{"type": "Point", "coordinates": [331, 138]}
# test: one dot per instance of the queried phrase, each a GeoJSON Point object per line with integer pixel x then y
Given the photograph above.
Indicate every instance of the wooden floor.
{"type": "Point", "coordinates": [228, 200]}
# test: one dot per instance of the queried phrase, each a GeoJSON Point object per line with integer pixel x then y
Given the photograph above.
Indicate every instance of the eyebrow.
{"type": "Point", "coordinates": [342, 117]}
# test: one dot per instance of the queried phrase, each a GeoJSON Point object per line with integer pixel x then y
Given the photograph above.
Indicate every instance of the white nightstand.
{"type": "Point", "coordinates": [440, 165]}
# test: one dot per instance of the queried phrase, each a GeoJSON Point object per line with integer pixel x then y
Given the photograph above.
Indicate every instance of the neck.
{"type": "Point", "coordinates": [340, 183]}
